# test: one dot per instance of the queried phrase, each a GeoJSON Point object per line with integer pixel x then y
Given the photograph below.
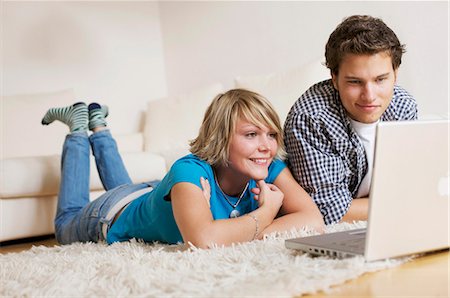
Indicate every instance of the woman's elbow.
{"type": "Point", "coordinates": [202, 240]}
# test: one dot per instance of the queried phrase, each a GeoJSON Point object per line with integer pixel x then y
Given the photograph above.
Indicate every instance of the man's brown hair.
{"type": "Point", "coordinates": [362, 35]}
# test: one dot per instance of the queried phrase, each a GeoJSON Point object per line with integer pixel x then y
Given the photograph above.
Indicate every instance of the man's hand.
{"type": "Point", "coordinates": [359, 210]}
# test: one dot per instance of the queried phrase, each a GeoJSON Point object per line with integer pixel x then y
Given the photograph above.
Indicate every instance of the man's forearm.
{"type": "Point", "coordinates": [358, 210]}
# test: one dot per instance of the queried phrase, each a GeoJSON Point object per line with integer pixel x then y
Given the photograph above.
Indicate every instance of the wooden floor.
{"type": "Point", "coordinates": [426, 276]}
{"type": "Point", "coordinates": [25, 244]}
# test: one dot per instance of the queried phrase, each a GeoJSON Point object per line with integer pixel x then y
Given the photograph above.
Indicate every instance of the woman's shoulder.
{"type": "Point", "coordinates": [190, 159]}
{"type": "Point", "coordinates": [278, 163]}
{"type": "Point", "coordinates": [275, 169]}
{"type": "Point", "coordinates": [190, 164]}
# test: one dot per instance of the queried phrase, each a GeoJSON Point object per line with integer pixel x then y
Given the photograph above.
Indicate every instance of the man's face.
{"type": "Point", "coordinates": [365, 84]}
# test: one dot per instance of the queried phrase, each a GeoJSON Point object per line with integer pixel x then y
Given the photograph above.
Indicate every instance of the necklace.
{"type": "Point", "coordinates": [234, 213]}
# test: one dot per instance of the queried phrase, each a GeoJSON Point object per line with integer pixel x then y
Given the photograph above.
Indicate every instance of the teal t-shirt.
{"type": "Point", "coordinates": [150, 217]}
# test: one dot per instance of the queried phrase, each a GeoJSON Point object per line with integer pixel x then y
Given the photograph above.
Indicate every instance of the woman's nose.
{"type": "Point", "coordinates": [264, 144]}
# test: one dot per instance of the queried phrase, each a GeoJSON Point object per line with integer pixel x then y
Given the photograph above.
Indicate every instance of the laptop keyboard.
{"type": "Point", "coordinates": [352, 245]}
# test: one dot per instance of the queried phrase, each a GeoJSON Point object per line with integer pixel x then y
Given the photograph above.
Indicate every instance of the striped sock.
{"type": "Point", "coordinates": [97, 115]}
{"type": "Point", "coordinates": [74, 116]}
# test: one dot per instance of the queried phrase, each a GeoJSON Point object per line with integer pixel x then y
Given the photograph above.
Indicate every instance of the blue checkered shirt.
{"type": "Point", "coordinates": [325, 154]}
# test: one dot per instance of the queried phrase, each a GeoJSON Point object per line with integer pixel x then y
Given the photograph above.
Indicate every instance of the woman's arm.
{"type": "Point", "coordinates": [196, 224]}
{"type": "Point", "coordinates": [298, 209]}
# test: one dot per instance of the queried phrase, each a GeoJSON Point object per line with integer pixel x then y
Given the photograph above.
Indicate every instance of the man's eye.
{"type": "Point", "coordinates": [354, 82]}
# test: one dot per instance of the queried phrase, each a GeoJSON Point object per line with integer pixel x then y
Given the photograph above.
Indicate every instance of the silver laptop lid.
{"type": "Point", "coordinates": [409, 198]}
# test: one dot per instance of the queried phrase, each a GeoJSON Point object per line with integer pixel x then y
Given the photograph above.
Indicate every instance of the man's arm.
{"type": "Point", "coordinates": [317, 167]}
{"type": "Point", "coordinates": [358, 210]}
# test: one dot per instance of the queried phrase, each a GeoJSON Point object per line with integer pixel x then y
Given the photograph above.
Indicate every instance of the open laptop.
{"type": "Point", "coordinates": [408, 201]}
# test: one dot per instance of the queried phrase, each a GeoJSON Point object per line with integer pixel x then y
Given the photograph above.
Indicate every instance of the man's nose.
{"type": "Point", "coordinates": [369, 92]}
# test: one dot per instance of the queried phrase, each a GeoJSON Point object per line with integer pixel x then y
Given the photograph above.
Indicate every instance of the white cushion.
{"type": "Point", "coordinates": [284, 88]}
{"type": "Point", "coordinates": [131, 142]}
{"type": "Point", "coordinates": [40, 175]}
{"type": "Point", "coordinates": [171, 122]}
{"type": "Point", "coordinates": [22, 132]}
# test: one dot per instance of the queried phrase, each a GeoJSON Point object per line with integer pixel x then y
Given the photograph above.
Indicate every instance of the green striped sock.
{"type": "Point", "coordinates": [74, 116]}
{"type": "Point", "coordinates": [97, 115]}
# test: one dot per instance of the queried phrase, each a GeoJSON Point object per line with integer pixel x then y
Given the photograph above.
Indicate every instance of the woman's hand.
{"type": "Point", "coordinates": [195, 220]}
{"type": "Point", "coordinates": [298, 209]}
{"type": "Point", "coordinates": [268, 195]}
{"type": "Point", "coordinates": [206, 190]}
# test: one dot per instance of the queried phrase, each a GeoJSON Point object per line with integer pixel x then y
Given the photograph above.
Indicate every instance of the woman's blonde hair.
{"type": "Point", "coordinates": [213, 141]}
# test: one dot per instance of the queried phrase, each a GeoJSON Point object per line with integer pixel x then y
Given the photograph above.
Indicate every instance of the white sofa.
{"type": "Point", "coordinates": [30, 152]}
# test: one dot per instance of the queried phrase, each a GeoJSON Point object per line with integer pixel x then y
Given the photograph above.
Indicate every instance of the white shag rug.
{"type": "Point", "coordinates": [258, 268]}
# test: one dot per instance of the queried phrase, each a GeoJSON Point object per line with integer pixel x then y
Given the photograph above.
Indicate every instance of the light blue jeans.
{"type": "Point", "coordinates": [78, 219]}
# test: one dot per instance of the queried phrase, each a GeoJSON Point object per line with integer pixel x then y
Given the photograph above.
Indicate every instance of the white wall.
{"type": "Point", "coordinates": [126, 53]}
{"type": "Point", "coordinates": [208, 42]}
{"type": "Point", "coordinates": [106, 51]}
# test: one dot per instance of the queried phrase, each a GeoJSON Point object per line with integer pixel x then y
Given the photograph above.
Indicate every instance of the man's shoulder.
{"type": "Point", "coordinates": [316, 101]}
{"type": "Point", "coordinates": [402, 107]}
{"type": "Point", "coordinates": [401, 93]}
{"type": "Point", "coordinates": [321, 92]}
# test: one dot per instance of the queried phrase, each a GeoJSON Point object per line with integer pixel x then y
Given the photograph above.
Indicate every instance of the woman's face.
{"type": "Point", "coordinates": [252, 149]}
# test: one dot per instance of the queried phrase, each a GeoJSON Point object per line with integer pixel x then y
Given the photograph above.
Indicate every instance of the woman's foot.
{"type": "Point", "coordinates": [97, 115]}
{"type": "Point", "coordinates": [74, 116]}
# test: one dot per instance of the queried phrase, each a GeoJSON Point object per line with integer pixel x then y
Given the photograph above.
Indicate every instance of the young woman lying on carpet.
{"type": "Point", "coordinates": [234, 169]}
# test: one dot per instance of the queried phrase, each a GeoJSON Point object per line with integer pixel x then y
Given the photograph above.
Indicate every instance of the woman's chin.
{"type": "Point", "coordinates": [260, 176]}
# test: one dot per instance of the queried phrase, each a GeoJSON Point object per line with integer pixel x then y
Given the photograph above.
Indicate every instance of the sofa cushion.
{"type": "Point", "coordinates": [171, 122]}
{"type": "Point", "coordinates": [40, 175]}
{"type": "Point", "coordinates": [131, 142]}
{"type": "Point", "coordinates": [284, 88]}
{"type": "Point", "coordinates": [22, 132]}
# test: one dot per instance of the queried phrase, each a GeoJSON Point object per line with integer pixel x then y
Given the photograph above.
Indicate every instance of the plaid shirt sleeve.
{"type": "Point", "coordinates": [317, 166]}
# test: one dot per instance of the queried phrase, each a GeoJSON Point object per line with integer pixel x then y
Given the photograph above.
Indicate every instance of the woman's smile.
{"type": "Point", "coordinates": [251, 151]}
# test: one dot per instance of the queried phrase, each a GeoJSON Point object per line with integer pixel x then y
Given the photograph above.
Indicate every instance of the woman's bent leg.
{"type": "Point", "coordinates": [74, 187]}
{"type": "Point", "coordinates": [110, 165]}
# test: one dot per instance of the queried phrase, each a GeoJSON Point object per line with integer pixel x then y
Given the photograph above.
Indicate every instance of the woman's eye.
{"type": "Point", "coordinates": [273, 135]}
{"type": "Point", "coordinates": [251, 134]}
